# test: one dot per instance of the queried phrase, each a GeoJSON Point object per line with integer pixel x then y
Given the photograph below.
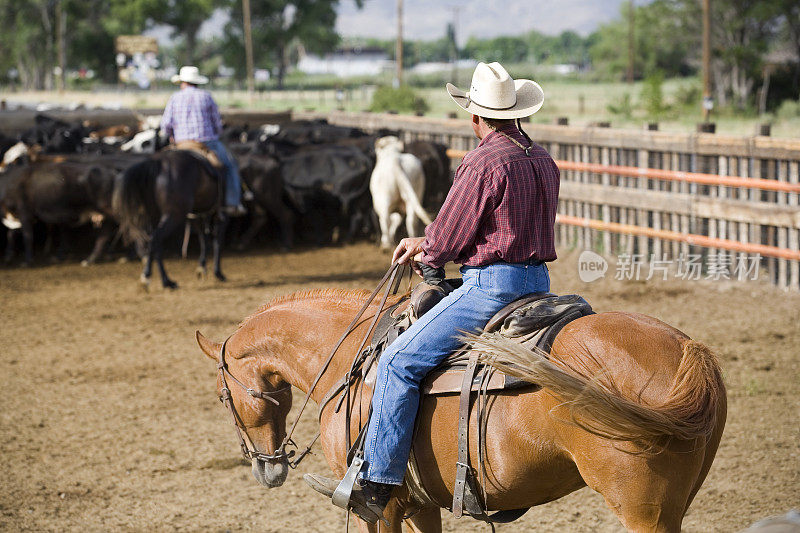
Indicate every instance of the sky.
{"type": "Point", "coordinates": [427, 19]}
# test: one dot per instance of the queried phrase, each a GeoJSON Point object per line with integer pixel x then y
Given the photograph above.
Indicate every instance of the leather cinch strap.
{"type": "Point", "coordinates": [462, 466]}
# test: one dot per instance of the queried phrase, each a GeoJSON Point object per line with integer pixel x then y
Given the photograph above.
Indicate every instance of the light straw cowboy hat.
{"type": "Point", "coordinates": [495, 94]}
{"type": "Point", "coordinates": [189, 75]}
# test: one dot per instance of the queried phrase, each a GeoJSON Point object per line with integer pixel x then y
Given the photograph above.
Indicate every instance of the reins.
{"type": "Point", "coordinates": [389, 276]}
{"type": "Point", "coordinates": [281, 453]}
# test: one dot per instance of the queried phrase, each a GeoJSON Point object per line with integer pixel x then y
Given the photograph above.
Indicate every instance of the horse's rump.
{"type": "Point", "coordinates": [687, 412]}
{"type": "Point", "coordinates": [134, 200]}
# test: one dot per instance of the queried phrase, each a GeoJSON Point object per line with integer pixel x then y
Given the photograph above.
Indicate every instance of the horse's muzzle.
{"type": "Point", "coordinates": [271, 474]}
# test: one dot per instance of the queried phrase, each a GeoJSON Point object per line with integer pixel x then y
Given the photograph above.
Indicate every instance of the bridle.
{"type": "Point", "coordinates": [281, 453]}
{"type": "Point", "coordinates": [241, 430]}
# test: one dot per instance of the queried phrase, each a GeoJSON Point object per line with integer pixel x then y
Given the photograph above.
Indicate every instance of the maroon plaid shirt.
{"type": "Point", "coordinates": [501, 207]}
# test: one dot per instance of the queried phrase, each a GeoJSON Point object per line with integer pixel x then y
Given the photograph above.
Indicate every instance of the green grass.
{"type": "Point", "coordinates": [582, 101]}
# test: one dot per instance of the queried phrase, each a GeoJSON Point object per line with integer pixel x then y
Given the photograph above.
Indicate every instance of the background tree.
{"type": "Point", "coordinates": [278, 28]}
{"type": "Point", "coordinates": [789, 12]}
{"type": "Point", "coordinates": [742, 31]}
{"type": "Point", "coordinates": [667, 39]}
{"type": "Point", "coordinates": [186, 17]}
{"type": "Point", "coordinates": [502, 49]}
{"type": "Point", "coordinates": [29, 47]}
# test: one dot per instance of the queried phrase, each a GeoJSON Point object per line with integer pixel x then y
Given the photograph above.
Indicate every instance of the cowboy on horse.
{"type": "Point", "coordinates": [192, 115]}
{"type": "Point", "coordinates": [497, 222]}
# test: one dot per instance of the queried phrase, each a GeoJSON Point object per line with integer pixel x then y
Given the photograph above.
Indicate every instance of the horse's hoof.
{"type": "Point", "coordinates": [171, 285]}
{"type": "Point", "coordinates": [220, 276]}
{"type": "Point", "coordinates": [86, 263]}
{"type": "Point", "coordinates": [201, 272]}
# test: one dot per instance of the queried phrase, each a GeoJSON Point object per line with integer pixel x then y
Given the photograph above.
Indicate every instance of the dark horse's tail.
{"type": "Point", "coordinates": [134, 200]}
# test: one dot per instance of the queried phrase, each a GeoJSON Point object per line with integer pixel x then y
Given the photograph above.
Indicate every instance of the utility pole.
{"type": "Point", "coordinates": [248, 48]}
{"type": "Point", "coordinates": [399, 48]}
{"type": "Point", "coordinates": [61, 26]}
{"type": "Point", "coordinates": [631, 41]}
{"type": "Point", "coordinates": [454, 75]}
{"type": "Point", "coordinates": [708, 103]}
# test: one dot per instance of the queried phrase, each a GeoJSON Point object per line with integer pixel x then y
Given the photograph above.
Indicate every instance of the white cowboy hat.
{"type": "Point", "coordinates": [189, 74]}
{"type": "Point", "coordinates": [495, 94]}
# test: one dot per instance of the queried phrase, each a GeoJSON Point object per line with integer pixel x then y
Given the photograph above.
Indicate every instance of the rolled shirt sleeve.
{"type": "Point", "coordinates": [168, 118]}
{"type": "Point", "coordinates": [216, 119]}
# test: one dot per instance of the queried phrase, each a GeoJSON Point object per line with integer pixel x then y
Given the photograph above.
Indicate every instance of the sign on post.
{"type": "Point", "coordinates": [136, 59]}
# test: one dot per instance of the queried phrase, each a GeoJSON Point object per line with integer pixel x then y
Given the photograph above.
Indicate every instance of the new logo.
{"type": "Point", "coordinates": [591, 266]}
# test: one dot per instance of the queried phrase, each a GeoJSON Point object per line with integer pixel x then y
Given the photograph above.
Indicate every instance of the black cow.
{"type": "Point", "coordinates": [315, 132]}
{"type": "Point", "coordinates": [59, 193]}
{"type": "Point", "coordinates": [54, 135]}
{"type": "Point", "coordinates": [330, 186]}
{"type": "Point", "coordinates": [302, 134]}
{"type": "Point", "coordinates": [263, 177]}
{"type": "Point", "coordinates": [327, 185]}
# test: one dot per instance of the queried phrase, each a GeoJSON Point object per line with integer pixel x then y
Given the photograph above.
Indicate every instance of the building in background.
{"type": "Point", "coordinates": [346, 62]}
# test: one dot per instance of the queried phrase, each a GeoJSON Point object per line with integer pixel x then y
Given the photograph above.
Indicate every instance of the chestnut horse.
{"type": "Point", "coordinates": [648, 375]}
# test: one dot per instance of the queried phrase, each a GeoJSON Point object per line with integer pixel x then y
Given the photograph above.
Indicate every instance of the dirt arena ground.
{"type": "Point", "coordinates": [109, 420]}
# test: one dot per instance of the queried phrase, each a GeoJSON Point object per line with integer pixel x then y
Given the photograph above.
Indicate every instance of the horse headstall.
{"type": "Point", "coordinates": [241, 430]}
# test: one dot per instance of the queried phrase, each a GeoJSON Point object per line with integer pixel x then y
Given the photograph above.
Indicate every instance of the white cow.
{"type": "Point", "coordinates": [145, 140]}
{"type": "Point", "coordinates": [397, 184]}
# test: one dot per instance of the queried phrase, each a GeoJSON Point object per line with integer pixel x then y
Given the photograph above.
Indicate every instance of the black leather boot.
{"type": "Point", "coordinates": [368, 499]}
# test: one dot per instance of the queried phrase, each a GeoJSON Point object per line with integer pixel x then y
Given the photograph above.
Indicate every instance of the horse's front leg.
{"type": "Point", "coordinates": [203, 236]}
{"type": "Point", "coordinates": [393, 513]}
{"type": "Point", "coordinates": [427, 520]}
{"type": "Point", "coordinates": [166, 226]}
{"type": "Point", "coordinates": [219, 240]}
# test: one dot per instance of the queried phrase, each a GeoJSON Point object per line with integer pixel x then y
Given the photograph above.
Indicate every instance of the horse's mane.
{"type": "Point", "coordinates": [355, 296]}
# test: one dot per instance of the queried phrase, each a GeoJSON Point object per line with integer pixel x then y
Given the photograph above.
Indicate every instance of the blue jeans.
{"type": "Point", "coordinates": [423, 346]}
{"type": "Point", "coordinates": [233, 183]}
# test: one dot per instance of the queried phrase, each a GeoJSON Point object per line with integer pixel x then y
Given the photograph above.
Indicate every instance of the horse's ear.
{"type": "Point", "coordinates": [209, 347]}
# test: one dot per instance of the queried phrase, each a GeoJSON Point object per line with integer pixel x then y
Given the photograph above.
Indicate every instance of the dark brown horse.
{"type": "Point", "coordinates": [645, 441]}
{"type": "Point", "coordinates": [153, 198]}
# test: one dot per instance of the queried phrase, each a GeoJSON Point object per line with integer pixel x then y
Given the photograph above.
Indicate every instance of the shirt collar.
{"type": "Point", "coordinates": [509, 129]}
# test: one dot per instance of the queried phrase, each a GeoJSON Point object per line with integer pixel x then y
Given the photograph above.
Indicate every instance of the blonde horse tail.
{"type": "Point", "coordinates": [688, 412]}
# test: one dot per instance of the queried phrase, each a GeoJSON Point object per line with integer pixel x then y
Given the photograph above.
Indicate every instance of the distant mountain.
{"type": "Point", "coordinates": [427, 19]}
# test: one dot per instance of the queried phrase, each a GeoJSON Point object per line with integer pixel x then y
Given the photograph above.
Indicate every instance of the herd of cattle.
{"type": "Point", "coordinates": [311, 180]}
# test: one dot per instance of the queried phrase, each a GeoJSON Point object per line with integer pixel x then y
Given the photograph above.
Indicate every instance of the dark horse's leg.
{"type": "Point", "coordinates": [219, 240]}
{"type": "Point", "coordinates": [166, 225]}
{"type": "Point", "coordinates": [201, 226]}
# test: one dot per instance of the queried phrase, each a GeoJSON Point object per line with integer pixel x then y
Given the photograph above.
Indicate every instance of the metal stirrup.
{"type": "Point", "coordinates": [341, 496]}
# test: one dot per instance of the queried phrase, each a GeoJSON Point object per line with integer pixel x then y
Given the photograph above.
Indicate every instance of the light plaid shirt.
{"type": "Point", "coordinates": [191, 114]}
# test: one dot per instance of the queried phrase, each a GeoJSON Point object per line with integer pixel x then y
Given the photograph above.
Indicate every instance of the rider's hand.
{"type": "Point", "coordinates": [408, 251]}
